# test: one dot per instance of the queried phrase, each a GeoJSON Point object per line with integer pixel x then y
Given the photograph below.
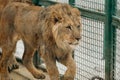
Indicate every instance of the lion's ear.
{"type": "Point", "coordinates": [76, 11]}
{"type": "Point", "coordinates": [56, 17]}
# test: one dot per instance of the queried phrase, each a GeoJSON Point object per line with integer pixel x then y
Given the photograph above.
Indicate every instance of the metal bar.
{"type": "Point", "coordinates": [36, 2]}
{"type": "Point", "coordinates": [116, 21]}
{"type": "Point", "coordinates": [71, 2]}
{"type": "Point", "coordinates": [92, 14]}
{"type": "Point", "coordinates": [108, 40]}
{"type": "Point", "coordinates": [46, 2]}
{"type": "Point", "coordinates": [36, 59]}
{"type": "Point", "coordinates": [114, 9]}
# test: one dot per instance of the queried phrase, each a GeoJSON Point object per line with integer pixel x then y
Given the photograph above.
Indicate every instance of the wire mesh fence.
{"type": "Point", "coordinates": [118, 8]}
{"type": "Point", "coordinates": [97, 5]}
{"type": "Point", "coordinates": [89, 54]}
{"type": "Point", "coordinates": [62, 1]}
{"type": "Point", "coordinates": [117, 45]}
{"type": "Point", "coordinates": [117, 77]}
{"type": "Point", "coordinates": [118, 4]}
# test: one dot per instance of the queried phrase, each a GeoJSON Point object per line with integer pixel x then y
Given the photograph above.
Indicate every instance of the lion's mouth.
{"type": "Point", "coordinates": [73, 45]}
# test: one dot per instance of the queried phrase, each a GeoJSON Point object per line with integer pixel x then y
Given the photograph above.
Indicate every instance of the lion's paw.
{"type": "Point", "coordinates": [39, 75]}
{"type": "Point", "coordinates": [12, 64]}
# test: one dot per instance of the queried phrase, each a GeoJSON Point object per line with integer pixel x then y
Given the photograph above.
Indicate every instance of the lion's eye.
{"type": "Point", "coordinates": [69, 27]}
{"type": "Point", "coordinates": [78, 26]}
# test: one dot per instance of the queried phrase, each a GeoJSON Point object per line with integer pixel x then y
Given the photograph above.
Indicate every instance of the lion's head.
{"type": "Point", "coordinates": [62, 22]}
{"type": "Point", "coordinates": [67, 28]}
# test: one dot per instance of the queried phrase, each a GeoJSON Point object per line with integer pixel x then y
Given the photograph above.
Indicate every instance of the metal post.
{"type": "Point", "coordinates": [71, 2]}
{"type": "Point", "coordinates": [36, 59]}
{"type": "Point", "coordinates": [109, 40]}
{"type": "Point", "coordinates": [36, 2]}
{"type": "Point", "coordinates": [113, 69]}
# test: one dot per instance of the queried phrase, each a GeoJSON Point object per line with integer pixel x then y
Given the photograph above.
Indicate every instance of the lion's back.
{"type": "Point", "coordinates": [3, 3]}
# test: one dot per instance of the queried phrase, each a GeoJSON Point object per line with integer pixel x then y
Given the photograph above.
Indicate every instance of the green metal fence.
{"type": "Point", "coordinates": [98, 55]}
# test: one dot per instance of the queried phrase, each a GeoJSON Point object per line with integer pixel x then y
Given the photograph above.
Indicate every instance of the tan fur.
{"type": "Point", "coordinates": [53, 31]}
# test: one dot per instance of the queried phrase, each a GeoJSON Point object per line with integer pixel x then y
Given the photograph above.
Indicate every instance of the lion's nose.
{"type": "Point", "coordinates": [78, 38]}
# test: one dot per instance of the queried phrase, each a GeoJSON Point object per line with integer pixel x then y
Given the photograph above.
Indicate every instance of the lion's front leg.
{"type": "Point", "coordinates": [71, 68]}
{"type": "Point", "coordinates": [28, 62]}
{"type": "Point", "coordinates": [12, 63]}
{"type": "Point", "coordinates": [51, 67]}
{"type": "Point", "coordinates": [7, 52]}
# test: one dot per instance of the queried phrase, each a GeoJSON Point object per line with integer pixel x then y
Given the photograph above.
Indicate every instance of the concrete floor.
{"type": "Point", "coordinates": [23, 74]}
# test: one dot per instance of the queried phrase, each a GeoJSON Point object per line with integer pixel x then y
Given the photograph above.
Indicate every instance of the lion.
{"type": "Point", "coordinates": [12, 62]}
{"type": "Point", "coordinates": [53, 31]}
